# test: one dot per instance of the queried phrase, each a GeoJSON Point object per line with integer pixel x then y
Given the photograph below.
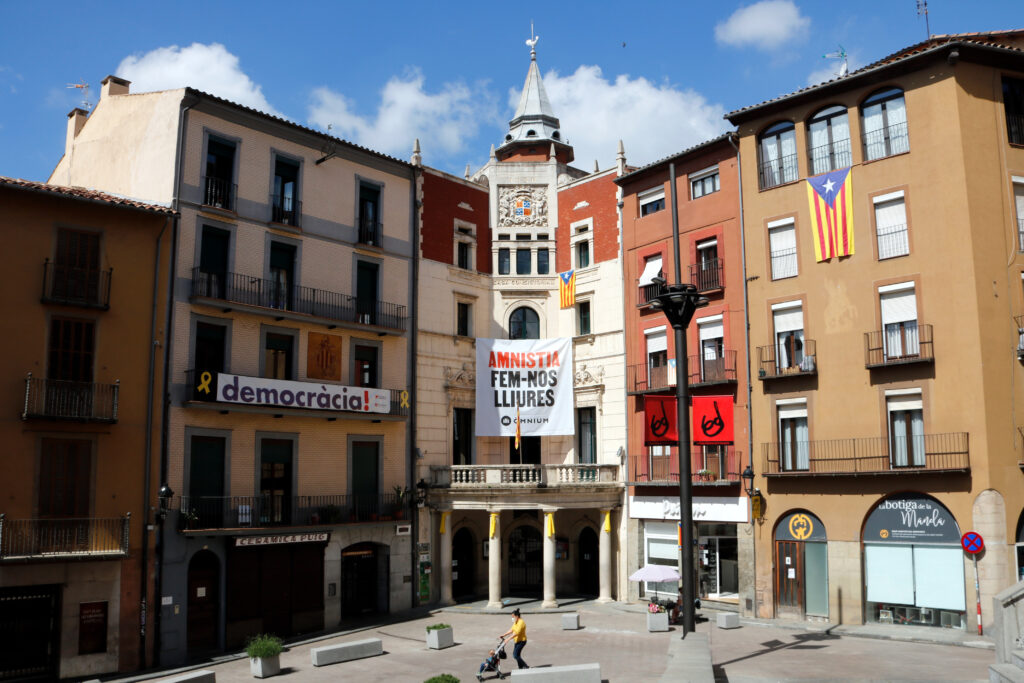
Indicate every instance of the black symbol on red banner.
{"type": "Point", "coordinates": [713, 426]}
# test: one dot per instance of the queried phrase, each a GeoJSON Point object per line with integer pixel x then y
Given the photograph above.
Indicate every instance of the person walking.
{"type": "Point", "coordinates": [517, 634]}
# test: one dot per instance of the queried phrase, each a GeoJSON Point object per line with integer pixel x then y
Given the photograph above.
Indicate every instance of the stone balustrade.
{"type": "Point", "coordinates": [485, 476]}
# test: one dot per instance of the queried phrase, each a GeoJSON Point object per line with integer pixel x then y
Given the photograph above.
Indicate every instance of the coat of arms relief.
{"type": "Point", "coordinates": [523, 205]}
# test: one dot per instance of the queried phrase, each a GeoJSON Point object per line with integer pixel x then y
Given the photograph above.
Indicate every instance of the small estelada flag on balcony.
{"type": "Point", "coordinates": [567, 288]}
{"type": "Point", "coordinates": [519, 432]}
{"type": "Point", "coordinates": [830, 197]}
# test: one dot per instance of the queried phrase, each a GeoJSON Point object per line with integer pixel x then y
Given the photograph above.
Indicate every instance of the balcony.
{"type": "Point", "coordinates": [801, 364]}
{"type": "Point", "coordinates": [200, 513]}
{"type": "Point", "coordinates": [852, 457]}
{"type": "Point", "coordinates": [708, 275]}
{"type": "Point", "coordinates": [899, 344]}
{"type": "Point", "coordinates": [52, 399]}
{"type": "Point", "coordinates": [44, 539]}
{"type": "Point", "coordinates": [641, 378]}
{"type": "Point", "coordinates": [775, 172]}
{"type": "Point", "coordinates": [83, 287]}
{"type": "Point", "coordinates": [523, 476]}
{"type": "Point", "coordinates": [707, 469]}
{"type": "Point", "coordinates": [830, 156]}
{"type": "Point", "coordinates": [219, 193]}
{"type": "Point", "coordinates": [369, 232]}
{"type": "Point", "coordinates": [704, 371]}
{"type": "Point", "coordinates": [1019, 319]}
{"type": "Point", "coordinates": [285, 210]}
{"type": "Point", "coordinates": [267, 296]}
{"type": "Point", "coordinates": [784, 264]}
{"type": "Point", "coordinates": [886, 142]}
{"type": "Point", "coordinates": [1015, 128]}
{"type": "Point", "coordinates": [648, 293]}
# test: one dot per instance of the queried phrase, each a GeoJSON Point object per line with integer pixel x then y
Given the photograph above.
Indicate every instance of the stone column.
{"type": "Point", "coordinates": [494, 562]}
{"type": "Point", "coordinates": [445, 558]}
{"type": "Point", "coordinates": [604, 535]}
{"type": "Point", "coordinates": [549, 560]}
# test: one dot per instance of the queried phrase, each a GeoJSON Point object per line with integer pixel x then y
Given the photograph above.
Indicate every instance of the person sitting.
{"type": "Point", "coordinates": [489, 664]}
{"type": "Point", "coordinates": [675, 608]}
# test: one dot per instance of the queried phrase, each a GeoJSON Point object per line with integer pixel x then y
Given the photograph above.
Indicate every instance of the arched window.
{"type": "Point", "coordinates": [829, 140]}
{"type": "Point", "coordinates": [884, 121]}
{"type": "Point", "coordinates": [524, 324]}
{"type": "Point", "coordinates": [777, 147]}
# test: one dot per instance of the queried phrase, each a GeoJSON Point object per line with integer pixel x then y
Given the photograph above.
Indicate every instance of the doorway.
{"type": "Point", "coordinates": [587, 570]}
{"type": "Point", "coordinates": [203, 604]}
{"type": "Point", "coordinates": [29, 632]}
{"type": "Point", "coordinates": [801, 566]}
{"type": "Point", "coordinates": [275, 481]}
{"type": "Point", "coordinates": [525, 554]}
{"type": "Point", "coordinates": [463, 564]}
{"type": "Point", "coordinates": [366, 292]}
{"type": "Point", "coordinates": [364, 580]}
{"type": "Point", "coordinates": [719, 566]}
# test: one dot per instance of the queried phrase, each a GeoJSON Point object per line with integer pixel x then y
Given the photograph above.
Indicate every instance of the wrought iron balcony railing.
{"type": "Point", "coordinates": [369, 232]}
{"type": "Point", "coordinates": [774, 172]}
{"type": "Point", "coordinates": [709, 467]}
{"type": "Point", "coordinates": [784, 264]}
{"type": "Point", "coordinates": [501, 476]}
{"type": "Point", "coordinates": [1019, 319]}
{"type": "Point", "coordinates": [774, 363]}
{"type": "Point", "coordinates": [873, 455]}
{"type": "Point", "coordinates": [70, 286]}
{"type": "Point", "coordinates": [648, 293]}
{"type": "Point", "coordinates": [53, 399]}
{"type": "Point", "coordinates": [704, 370]}
{"type": "Point", "coordinates": [642, 378]}
{"type": "Point", "coordinates": [899, 344]}
{"type": "Point", "coordinates": [245, 512]}
{"type": "Point", "coordinates": [23, 539]}
{"type": "Point", "coordinates": [886, 142]}
{"type": "Point", "coordinates": [270, 294]}
{"type": "Point", "coordinates": [1015, 128]}
{"type": "Point", "coordinates": [708, 276]}
{"type": "Point", "coordinates": [286, 210]}
{"type": "Point", "coordinates": [830, 156]}
{"type": "Point", "coordinates": [219, 193]}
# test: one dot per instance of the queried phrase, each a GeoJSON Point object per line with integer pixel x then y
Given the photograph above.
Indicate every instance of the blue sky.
{"type": "Point", "coordinates": [657, 75]}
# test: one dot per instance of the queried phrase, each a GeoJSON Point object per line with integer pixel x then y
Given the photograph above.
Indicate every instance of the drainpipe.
{"type": "Point", "coordinates": [411, 379]}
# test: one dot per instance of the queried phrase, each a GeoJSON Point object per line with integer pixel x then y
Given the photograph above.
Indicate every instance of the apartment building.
{"type": "Point", "coordinates": [84, 327]}
{"type": "Point", "coordinates": [699, 189]}
{"type": "Point", "coordinates": [544, 519]}
{"type": "Point", "coordinates": [884, 261]}
{"type": "Point", "coordinates": [286, 446]}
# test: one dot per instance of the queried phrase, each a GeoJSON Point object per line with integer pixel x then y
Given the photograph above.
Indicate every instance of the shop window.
{"type": "Point", "coordinates": [661, 546]}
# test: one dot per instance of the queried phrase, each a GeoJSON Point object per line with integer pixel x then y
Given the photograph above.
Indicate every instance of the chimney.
{"type": "Point", "coordinates": [76, 119]}
{"type": "Point", "coordinates": [112, 85]}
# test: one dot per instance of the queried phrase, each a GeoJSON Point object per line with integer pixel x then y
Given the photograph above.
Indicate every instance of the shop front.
{"type": "Point", "coordinates": [913, 563]}
{"type": "Point", "coordinates": [801, 566]}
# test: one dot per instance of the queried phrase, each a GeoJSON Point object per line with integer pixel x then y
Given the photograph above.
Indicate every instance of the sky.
{"type": "Point", "coordinates": [657, 75]}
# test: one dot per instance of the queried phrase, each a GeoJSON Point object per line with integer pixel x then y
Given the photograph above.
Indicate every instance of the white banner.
{"type": "Point", "coordinates": [531, 375]}
{"type": "Point", "coordinates": [259, 391]}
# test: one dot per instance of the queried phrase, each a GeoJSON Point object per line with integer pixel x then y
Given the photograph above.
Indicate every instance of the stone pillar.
{"type": "Point", "coordinates": [604, 553]}
{"type": "Point", "coordinates": [549, 560]}
{"type": "Point", "coordinates": [494, 562]}
{"type": "Point", "coordinates": [445, 558]}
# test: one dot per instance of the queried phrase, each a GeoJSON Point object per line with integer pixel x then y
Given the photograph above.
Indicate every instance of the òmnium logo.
{"type": "Point", "coordinates": [506, 420]}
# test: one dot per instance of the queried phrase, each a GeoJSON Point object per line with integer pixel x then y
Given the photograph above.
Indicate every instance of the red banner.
{"type": "Point", "coordinates": [660, 425]}
{"type": "Point", "coordinates": [712, 420]}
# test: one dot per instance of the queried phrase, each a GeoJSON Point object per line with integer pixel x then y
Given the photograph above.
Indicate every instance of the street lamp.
{"type": "Point", "coordinates": [679, 302]}
{"type": "Point", "coordinates": [164, 495]}
{"type": "Point", "coordinates": [748, 480]}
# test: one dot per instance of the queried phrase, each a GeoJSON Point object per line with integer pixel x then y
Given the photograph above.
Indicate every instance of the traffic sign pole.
{"type": "Point", "coordinates": [977, 593]}
{"type": "Point", "coordinates": [973, 543]}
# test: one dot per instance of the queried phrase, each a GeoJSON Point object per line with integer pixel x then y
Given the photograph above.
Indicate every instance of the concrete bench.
{"type": "Point", "coordinates": [346, 652]}
{"type": "Point", "coordinates": [728, 620]}
{"type": "Point", "coordinates": [202, 676]}
{"type": "Point", "coordinates": [572, 673]}
{"type": "Point", "coordinates": [571, 622]}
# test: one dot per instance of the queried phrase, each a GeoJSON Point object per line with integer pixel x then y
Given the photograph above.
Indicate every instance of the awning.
{"type": "Point", "coordinates": [651, 270]}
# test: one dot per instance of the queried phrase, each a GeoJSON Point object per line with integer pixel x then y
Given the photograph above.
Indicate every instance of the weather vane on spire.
{"type": "Point", "coordinates": [532, 41]}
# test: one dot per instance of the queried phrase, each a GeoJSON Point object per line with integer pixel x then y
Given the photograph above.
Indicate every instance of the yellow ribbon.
{"type": "Point", "coordinates": [404, 402]}
{"type": "Point", "coordinates": [607, 521]}
{"type": "Point", "coordinates": [444, 518]}
{"type": "Point", "coordinates": [494, 523]}
{"type": "Point", "coordinates": [204, 382]}
{"type": "Point", "coordinates": [551, 524]}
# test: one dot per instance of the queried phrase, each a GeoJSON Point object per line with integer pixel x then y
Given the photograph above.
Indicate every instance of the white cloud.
{"type": "Point", "coordinates": [653, 121]}
{"type": "Point", "coordinates": [766, 25]}
{"type": "Point", "coordinates": [210, 68]}
{"type": "Point", "coordinates": [443, 121]}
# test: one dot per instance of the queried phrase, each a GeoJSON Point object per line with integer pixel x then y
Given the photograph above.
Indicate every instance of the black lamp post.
{"type": "Point", "coordinates": [748, 480]}
{"type": "Point", "coordinates": [679, 302]}
{"type": "Point", "coordinates": [164, 495]}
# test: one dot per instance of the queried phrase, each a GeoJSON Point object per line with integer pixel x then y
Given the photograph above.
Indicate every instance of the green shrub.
{"type": "Point", "coordinates": [435, 627]}
{"type": "Point", "coordinates": [264, 645]}
{"type": "Point", "coordinates": [442, 678]}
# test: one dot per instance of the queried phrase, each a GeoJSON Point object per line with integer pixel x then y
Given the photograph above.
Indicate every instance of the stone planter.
{"type": "Point", "coordinates": [264, 667]}
{"type": "Point", "coordinates": [657, 622]}
{"type": "Point", "coordinates": [440, 638]}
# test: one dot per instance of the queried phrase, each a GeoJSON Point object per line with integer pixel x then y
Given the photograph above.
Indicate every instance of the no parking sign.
{"type": "Point", "coordinates": [972, 542]}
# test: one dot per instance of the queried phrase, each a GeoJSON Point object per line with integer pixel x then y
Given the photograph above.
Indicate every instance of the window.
{"type": "Point", "coordinates": [707, 274]}
{"type": "Point", "coordinates": [72, 350]}
{"type": "Point", "coordinates": [523, 258]}
{"type": "Point", "coordinates": [213, 262]}
{"type": "Point", "coordinates": [713, 463]}
{"type": "Point", "coordinates": [581, 243]}
{"type": "Point", "coordinates": [284, 201]}
{"type": "Point", "coordinates": [463, 319]}
{"type": "Point", "coordinates": [583, 317]}
{"type": "Point", "coordinates": [365, 372]}
{"type": "Point", "coordinates": [782, 247]}
{"type": "Point", "coordinates": [504, 237]}
{"type": "Point", "coordinates": [275, 481]}
{"type": "Point", "coordinates": [788, 320]}
{"type": "Point", "coordinates": [1018, 197]}
{"type": "Point", "coordinates": [648, 288]}
{"type": "Point", "coordinates": [369, 215]}
{"type": "Point", "coordinates": [891, 225]}
{"type": "Point", "coordinates": [76, 267]}
{"type": "Point", "coordinates": [504, 257]}
{"type": "Point", "coordinates": [367, 275]}
{"type": "Point", "coordinates": [528, 452]}
{"type": "Point", "coordinates": [712, 348]}
{"type": "Point", "coordinates": [465, 244]}
{"type": "Point", "coordinates": [278, 352]}
{"type": "Point", "coordinates": [778, 155]}
{"type": "Point", "coordinates": [829, 140]}
{"type": "Point", "coordinates": [884, 121]}
{"type": "Point", "coordinates": [210, 347]}
{"type": "Point", "coordinates": [583, 254]}
{"type": "Point", "coordinates": [204, 496]}
{"type": "Point", "coordinates": [524, 323]}
{"type": "Point", "coordinates": [586, 439]}
{"type": "Point", "coordinates": [898, 305]}
{"type": "Point", "coordinates": [1013, 103]}
{"type": "Point", "coordinates": [906, 428]}
{"type": "Point", "coordinates": [462, 255]}
{"type": "Point", "coordinates": [65, 478]}
{"type": "Point", "coordinates": [704, 183]}
{"type": "Point", "coordinates": [218, 185]}
{"type": "Point", "coordinates": [657, 358]}
{"type": "Point", "coordinates": [282, 275]}
{"type": "Point", "coordinates": [462, 436]}
{"type": "Point", "coordinates": [794, 447]}
{"type": "Point", "coordinates": [651, 201]}
{"type": "Point", "coordinates": [543, 267]}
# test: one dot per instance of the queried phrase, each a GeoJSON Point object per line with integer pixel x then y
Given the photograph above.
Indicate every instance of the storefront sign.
{"type": "Point", "coordinates": [660, 424]}
{"type": "Point", "coordinates": [800, 526]}
{"type": "Point", "coordinates": [705, 508]}
{"type": "Point", "coordinates": [92, 628]}
{"type": "Point", "coordinates": [245, 541]}
{"type": "Point", "coordinates": [712, 420]}
{"type": "Point", "coordinates": [911, 518]}
{"type": "Point", "coordinates": [260, 391]}
{"type": "Point", "coordinates": [529, 380]}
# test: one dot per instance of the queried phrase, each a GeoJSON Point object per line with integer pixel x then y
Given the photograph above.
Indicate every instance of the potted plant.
{"type": "Point", "coordinates": [190, 519]}
{"type": "Point", "coordinates": [657, 617]}
{"type": "Point", "coordinates": [401, 493]}
{"type": "Point", "coordinates": [440, 636]}
{"type": "Point", "coordinates": [705, 475]}
{"type": "Point", "coordinates": [264, 655]}
{"type": "Point", "coordinates": [442, 678]}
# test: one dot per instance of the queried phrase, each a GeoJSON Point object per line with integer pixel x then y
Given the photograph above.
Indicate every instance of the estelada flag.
{"type": "Point", "coordinates": [830, 196]}
{"type": "Point", "coordinates": [519, 432]}
{"type": "Point", "coordinates": [567, 288]}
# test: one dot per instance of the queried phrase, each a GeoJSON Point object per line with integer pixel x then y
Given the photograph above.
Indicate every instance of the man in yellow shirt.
{"type": "Point", "coordinates": [518, 634]}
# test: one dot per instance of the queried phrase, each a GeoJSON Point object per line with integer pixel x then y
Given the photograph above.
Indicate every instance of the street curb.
{"type": "Point", "coordinates": [851, 631]}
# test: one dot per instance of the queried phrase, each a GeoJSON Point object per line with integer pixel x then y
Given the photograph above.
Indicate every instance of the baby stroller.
{"type": "Point", "coordinates": [493, 663]}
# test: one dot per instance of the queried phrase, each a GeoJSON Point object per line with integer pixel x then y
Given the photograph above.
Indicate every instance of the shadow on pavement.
{"type": "Point", "coordinates": [801, 641]}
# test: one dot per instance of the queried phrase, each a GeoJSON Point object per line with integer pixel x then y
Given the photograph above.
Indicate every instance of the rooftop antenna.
{"type": "Point", "coordinates": [844, 68]}
{"type": "Point", "coordinates": [84, 87]}
{"type": "Point", "coordinates": [922, 8]}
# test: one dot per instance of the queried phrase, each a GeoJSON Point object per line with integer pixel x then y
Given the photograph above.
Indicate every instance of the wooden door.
{"type": "Point", "coordinates": [789, 579]}
{"type": "Point", "coordinates": [587, 569]}
{"type": "Point", "coordinates": [463, 564]}
{"type": "Point", "coordinates": [203, 603]}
